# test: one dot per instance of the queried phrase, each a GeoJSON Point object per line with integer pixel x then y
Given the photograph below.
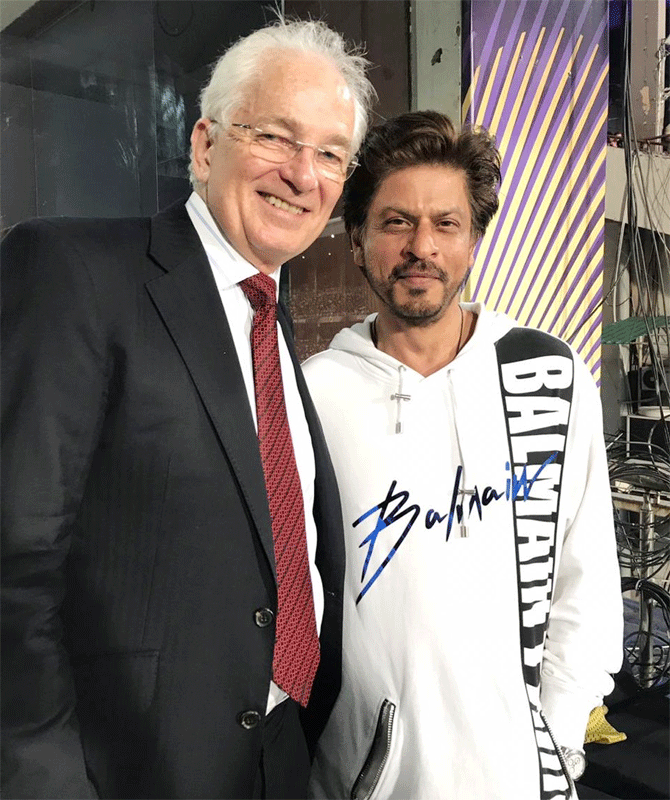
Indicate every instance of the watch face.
{"type": "Point", "coordinates": [575, 761]}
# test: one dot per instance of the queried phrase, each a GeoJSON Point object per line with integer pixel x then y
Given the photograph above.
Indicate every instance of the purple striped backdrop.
{"type": "Point", "coordinates": [538, 81]}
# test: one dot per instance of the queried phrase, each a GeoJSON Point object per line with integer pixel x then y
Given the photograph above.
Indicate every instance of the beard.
{"type": "Point", "coordinates": [415, 305]}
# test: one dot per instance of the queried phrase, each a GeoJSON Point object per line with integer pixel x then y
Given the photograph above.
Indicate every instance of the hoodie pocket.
{"type": "Point", "coordinates": [368, 778]}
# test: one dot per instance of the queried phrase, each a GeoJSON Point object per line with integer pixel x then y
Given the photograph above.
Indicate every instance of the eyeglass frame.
{"type": "Point", "coordinates": [295, 147]}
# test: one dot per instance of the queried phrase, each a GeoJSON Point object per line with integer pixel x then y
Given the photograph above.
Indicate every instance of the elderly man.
{"type": "Point", "coordinates": [482, 614]}
{"type": "Point", "coordinates": [171, 533]}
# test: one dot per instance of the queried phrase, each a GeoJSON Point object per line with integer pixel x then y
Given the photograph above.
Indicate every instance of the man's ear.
{"type": "Point", "coordinates": [357, 247]}
{"type": "Point", "coordinates": [201, 145]}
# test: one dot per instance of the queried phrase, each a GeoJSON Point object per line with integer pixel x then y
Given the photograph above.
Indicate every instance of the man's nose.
{"type": "Point", "coordinates": [301, 171]}
{"type": "Point", "coordinates": [422, 242]}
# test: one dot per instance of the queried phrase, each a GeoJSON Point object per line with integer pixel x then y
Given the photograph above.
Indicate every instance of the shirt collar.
{"type": "Point", "coordinates": [230, 267]}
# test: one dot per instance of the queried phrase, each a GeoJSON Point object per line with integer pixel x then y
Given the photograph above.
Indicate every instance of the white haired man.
{"type": "Point", "coordinates": [171, 540]}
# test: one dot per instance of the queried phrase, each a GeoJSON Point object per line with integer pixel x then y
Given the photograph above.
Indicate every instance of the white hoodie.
{"type": "Point", "coordinates": [450, 669]}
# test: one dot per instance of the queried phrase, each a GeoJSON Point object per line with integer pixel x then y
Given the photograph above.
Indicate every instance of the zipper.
{"type": "Point", "coordinates": [559, 753]}
{"type": "Point", "coordinates": [373, 767]}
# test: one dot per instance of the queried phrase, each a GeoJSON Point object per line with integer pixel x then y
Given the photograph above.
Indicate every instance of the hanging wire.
{"type": "Point", "coordinates": [639, 475]}
{"type": "Point", "coordinates": [647, 269]}
{"type": "Point", "coordinates": [640, 471]}
{"type": "Point", "coordinates": [651, 300]}
{"type": "Point", "coordinates": [648, 648]}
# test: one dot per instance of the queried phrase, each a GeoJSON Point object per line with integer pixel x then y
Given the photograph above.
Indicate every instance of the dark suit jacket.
{"type": "Point", "coordinates": [136, 533]}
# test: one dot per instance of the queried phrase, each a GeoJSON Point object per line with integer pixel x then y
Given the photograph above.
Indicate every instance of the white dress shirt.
{"type": "Point", "coordinates": [229, 269]}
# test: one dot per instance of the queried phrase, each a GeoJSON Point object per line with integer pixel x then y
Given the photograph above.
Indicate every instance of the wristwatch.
{"type": "Point", "coordinates": [575, 762]}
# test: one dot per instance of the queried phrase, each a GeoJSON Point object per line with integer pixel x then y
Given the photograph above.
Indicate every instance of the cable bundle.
{"type": "Point", "coordinates": [647, 649]}
{"type": "Point", "coordinates": [640, 282]}
{"type": "Point", "coordinates": [641, 471]}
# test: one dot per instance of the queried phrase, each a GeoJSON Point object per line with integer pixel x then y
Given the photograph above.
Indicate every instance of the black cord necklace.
{"type": "Point", "coordinates": [373, 333]}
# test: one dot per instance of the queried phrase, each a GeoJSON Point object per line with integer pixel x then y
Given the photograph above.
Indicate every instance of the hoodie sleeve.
{"type": "Point", "coordinates": [584, 643]}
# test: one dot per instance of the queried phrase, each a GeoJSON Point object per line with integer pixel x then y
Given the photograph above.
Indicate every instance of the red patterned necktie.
{"type": "Point", "coordinates": [296, 652]}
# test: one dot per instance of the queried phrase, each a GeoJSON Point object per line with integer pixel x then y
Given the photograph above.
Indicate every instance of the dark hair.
{"type": "Point", "coordinates": [415, 139]}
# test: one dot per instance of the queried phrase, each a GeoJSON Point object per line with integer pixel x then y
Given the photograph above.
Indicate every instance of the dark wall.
{"type": "Point", "coordinates": [383, 28]}
{"type": "Point", "coordinates": [99, 98]}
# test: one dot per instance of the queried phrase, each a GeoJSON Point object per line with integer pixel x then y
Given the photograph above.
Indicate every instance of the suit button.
{"type": "Point", "coordinates": [263, 617]}
{"type": "Point", "coordinates": [249, 719]}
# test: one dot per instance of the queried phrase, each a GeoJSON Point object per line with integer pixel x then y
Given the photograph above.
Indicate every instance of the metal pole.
{"type": "Point", "coordinates": [646, 606]}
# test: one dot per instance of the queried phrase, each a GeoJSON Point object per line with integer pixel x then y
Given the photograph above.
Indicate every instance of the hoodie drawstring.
{"type": "Point", "coordinates": [399, 397]}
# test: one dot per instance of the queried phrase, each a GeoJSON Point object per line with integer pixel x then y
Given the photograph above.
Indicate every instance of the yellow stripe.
{"type": "Point", "coordinates": [575, 260]}
{"type": "Point", "coordinates": [502, 97]}
{"type": "Point", "coordinates": [503, 221]}
{"type": "Point", "coordinates": [579, 312]}
{"type": "Point", "coordinates": [489, 87]}
{"type": "Point", "coordinates": [584, 346]}
{"type": "Point", "coordinates": [573, 204]}
{"type": "Point", "coordinates": [577, 266]}
{"type": "Point", "coordinates": [565, 199]}
{"type": "Point", "coordinates": [539, 181]}
{"type": "Point", "coordinates": [523, 233]}
{"type": "Point", "coordinates": [467, 100]}
{"type": "Point", "coordinates": [594, 208]}
{"type": "Point", "coordinates": [526, 229]}
{"type": "Point", "coordinates": [553, 232]}
{"type": "Point", "coordinates": [504, 140]}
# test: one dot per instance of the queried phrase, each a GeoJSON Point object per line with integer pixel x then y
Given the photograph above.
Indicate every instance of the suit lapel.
{"type": "Point", "coordinates": [329, 556]}
{"type": "Point", "coordinates": [189, 304]}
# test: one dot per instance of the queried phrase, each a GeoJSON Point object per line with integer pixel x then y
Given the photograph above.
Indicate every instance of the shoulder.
{"type": "Point", "coordinates": [328, 373]}
{"type": "Point", "coordinates": [81, 226]}
{"type": "Point", "coordinates": [521, 342]}
{"type": "Point", "coordinates": [62, 240]}
{"type": "Point", "coordinates": [344, 351]}
{"type": "Point", "coordinates": [82, 233]}
{"type": "Point", "coordinates": [316, 368]}
{"type": "Point", "coordinates": [58, 268]}
{"type": "Point", "coordinates": [82, 251]}
{"type": "Point", "coordinates": [327, 362]}
{"type": "Point", "coordinates": [524, 351]}
{"type": "Point", "coordinates": [317, 361]}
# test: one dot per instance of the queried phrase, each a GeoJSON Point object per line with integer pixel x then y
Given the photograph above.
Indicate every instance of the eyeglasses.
{"type": "Point", "coordinates": [271, 144]}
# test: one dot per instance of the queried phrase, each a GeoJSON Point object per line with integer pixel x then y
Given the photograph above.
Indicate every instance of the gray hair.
{"type": "Point", "coordinates": [239, 66]}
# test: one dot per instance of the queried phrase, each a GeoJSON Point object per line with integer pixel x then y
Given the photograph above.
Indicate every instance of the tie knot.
{"type": "Point", "coordinates": [260, 289]}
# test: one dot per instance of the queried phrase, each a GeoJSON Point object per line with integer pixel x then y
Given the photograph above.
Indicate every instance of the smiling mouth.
{"type": "Point", "coordinates": [278, 203]}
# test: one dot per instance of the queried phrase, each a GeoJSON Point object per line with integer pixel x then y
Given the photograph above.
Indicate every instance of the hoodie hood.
{"type": "Point", "coordinates": [357, 341]}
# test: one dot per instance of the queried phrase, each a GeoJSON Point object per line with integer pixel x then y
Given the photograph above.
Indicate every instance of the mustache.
{"type": "Point", "coordinates": [426, 267]}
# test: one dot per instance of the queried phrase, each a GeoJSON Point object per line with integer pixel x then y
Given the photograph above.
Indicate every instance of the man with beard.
{"type": "Point", "coordinates": [482, 611]}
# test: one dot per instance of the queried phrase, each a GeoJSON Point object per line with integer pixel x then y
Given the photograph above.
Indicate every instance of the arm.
{"type": "Point", "coordinates": [53, 380]}
{"type": "Point", "coordinates": [584, 643]}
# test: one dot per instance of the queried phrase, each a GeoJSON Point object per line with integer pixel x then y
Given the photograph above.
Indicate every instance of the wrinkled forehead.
{"type": "Point", "coordinates": [304, 92]}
